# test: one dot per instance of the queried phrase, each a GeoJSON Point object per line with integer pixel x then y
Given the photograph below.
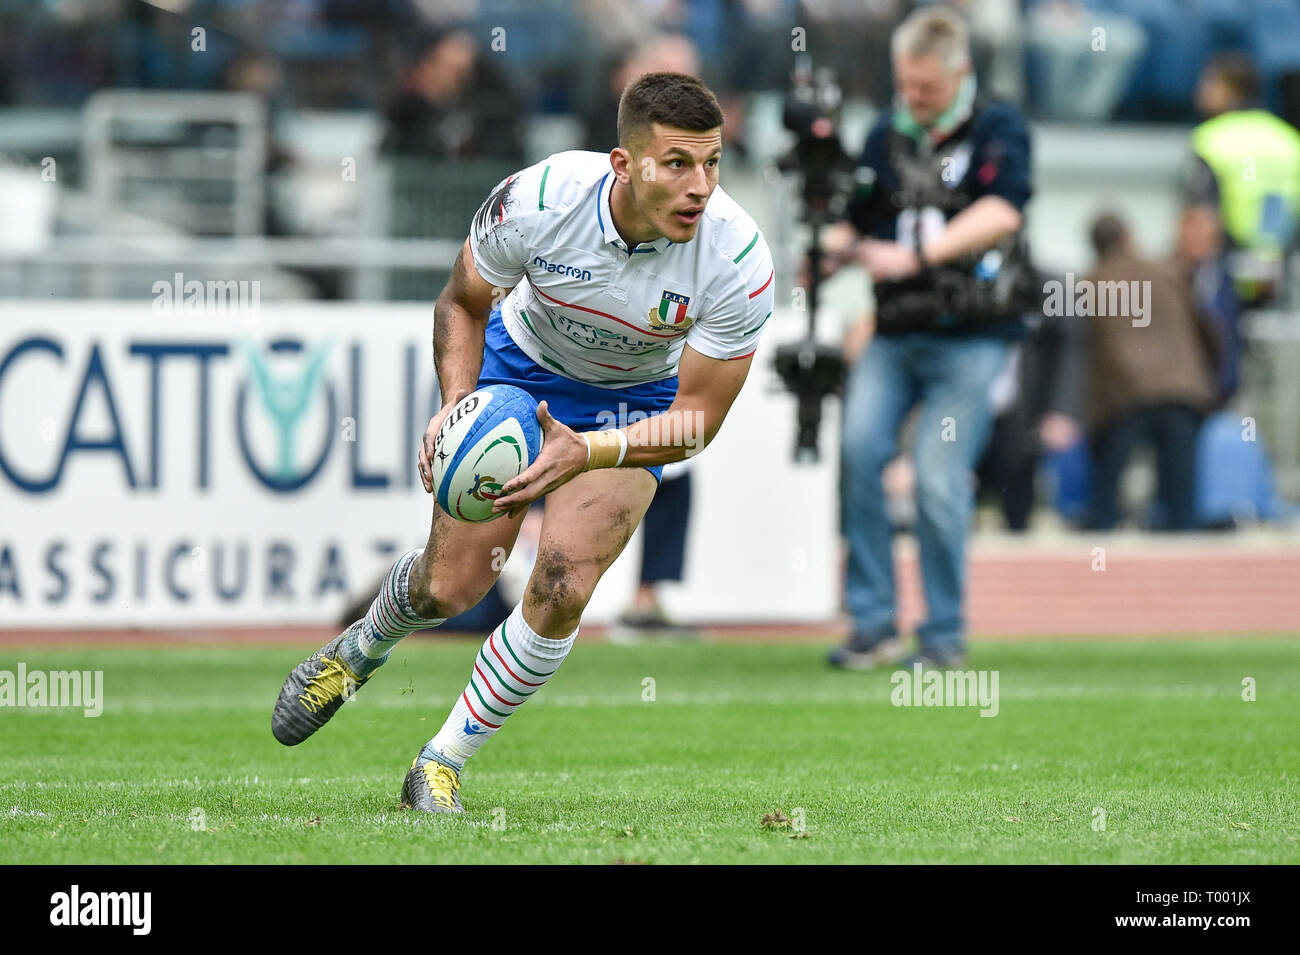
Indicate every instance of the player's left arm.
{"type": "Point", "coordinates": [713, 366]}
{"type": "Point", "coordinates": [706, 389]}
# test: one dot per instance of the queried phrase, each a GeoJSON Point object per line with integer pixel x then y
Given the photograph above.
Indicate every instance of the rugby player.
{"type": "Point", "coordinates": [636, 287]}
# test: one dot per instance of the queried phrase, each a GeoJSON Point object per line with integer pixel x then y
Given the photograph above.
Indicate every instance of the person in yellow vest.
{"type": "Point", "coordinates": [1247, 164]}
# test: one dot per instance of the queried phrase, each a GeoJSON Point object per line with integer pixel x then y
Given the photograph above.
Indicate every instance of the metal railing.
{"type": "Point", "coordinates": [128, 267]}
{"type": "Point", "coordinates": [195, 161]}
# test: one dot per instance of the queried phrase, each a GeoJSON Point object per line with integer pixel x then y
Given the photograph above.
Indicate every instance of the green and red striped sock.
{"type": "Point", "coordinates": [389, 619]}
{"type": "Point", "coordinates": [514, 663]}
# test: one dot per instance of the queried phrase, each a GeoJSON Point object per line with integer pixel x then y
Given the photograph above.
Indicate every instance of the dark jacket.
{"type": "Point", "coordinates": [988, 155]}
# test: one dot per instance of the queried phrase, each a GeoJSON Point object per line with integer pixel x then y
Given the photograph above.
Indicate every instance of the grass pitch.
{"type": "Point", "coordinates": [1101, 752]}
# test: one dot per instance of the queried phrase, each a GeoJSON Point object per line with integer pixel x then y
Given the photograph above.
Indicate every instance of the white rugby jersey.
{"type": "Point", "coordinates": [586, 307]}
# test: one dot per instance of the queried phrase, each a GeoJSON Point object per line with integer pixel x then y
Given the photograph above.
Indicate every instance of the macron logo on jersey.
{"type": "Point", "coordinates": [568, 270]}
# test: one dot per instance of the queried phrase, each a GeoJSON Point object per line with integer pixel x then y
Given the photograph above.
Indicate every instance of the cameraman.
{"type": "Point", "coordinates": [936, 222]}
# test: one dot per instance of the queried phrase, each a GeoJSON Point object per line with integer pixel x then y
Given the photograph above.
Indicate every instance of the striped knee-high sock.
{"type": "Point", "coordinates": [513, 664]}
{"type": "Point", "coordinates": [389, 619]}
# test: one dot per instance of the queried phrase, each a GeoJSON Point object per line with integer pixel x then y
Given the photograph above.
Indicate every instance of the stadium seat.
{"type": "Point", "coordinates": [1227, 22]}
{"type": "Point", "coordinates": [1234, 476]}
{"type": "Point", "coordinates": [1275, 43]}
{"type": "Point", "coordinates": [1179, 40]}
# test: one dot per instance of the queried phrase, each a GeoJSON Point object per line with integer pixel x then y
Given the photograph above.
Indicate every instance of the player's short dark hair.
{"type": "Point", "coordinates": [670, 99]}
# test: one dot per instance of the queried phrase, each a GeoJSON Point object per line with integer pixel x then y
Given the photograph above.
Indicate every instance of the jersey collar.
{"type": "Point", "coordinates": [605, 219]}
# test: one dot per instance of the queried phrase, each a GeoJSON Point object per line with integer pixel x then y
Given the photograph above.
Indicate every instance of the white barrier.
{"type": "Point", "coordinates": [165, 469]}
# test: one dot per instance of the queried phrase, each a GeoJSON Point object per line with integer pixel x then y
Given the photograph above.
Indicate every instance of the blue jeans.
{"type": "Point", "coordinates": [950, 377]}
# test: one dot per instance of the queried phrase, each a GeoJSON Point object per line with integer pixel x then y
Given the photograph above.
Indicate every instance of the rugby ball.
{"type": "Point", "coordinates": [490, 437]}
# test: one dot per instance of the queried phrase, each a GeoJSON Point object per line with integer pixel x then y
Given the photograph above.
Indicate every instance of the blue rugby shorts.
{"type": "Point", "coordinates": [580, 406]}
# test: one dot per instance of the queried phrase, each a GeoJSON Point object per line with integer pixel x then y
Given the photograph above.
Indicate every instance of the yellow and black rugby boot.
{"type": "Point", "coordinates": [313, 692]}
{"type": "Point", "coordinates": [431, 787]}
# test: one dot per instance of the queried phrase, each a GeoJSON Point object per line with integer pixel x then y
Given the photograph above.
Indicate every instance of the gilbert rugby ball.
{"type": "Point", "coordinates": [490, 437]}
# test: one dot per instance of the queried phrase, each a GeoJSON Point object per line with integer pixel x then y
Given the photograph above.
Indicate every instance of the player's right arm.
{"type": "Point", "coordinates": [460, 318]}
{"type": "Point", "coordinates": [490, 264]}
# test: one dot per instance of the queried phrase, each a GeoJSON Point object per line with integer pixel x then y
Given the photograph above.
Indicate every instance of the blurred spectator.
{"type": "Point", "coordinates": [949, 175]}
{"type": "Point", "coordinates": [998, 45]}
{"type": "Point", "coordinates": [623, 24]}
{"type": "Point", "coordinates": [852, 38]}
{"type": "Point", "coordinates": [757, 52]}
{"type": "Point", "coordinates": [1200, 254]}
{"type": "Point", "coordinates": [1035, 399]}
{"type": "Point", "coordinates": [663, 53]}
{"type": "Point", "coordinates": [444, 14]}
{"type": "Point", "coordinates": [1083, 58]}
{"type": "Point", "coordinates": [259, 73]}
{"type": "Point", "coordinates": [1037, 416]}
{"type": "Point", "coordinates": [1149, 379]}
{"type": "Point", "coordinates": [454, 104]}
{"type": "Point", "coordinates": [56, 53]}
{"type": "Point", "coordinates": [1248, 164]}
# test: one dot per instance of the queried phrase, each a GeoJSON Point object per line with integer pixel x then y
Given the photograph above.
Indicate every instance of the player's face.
{"type": "Point", "coordinates": [925, 85]}
{"type": "Point", "coordinates": [673, 177]}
